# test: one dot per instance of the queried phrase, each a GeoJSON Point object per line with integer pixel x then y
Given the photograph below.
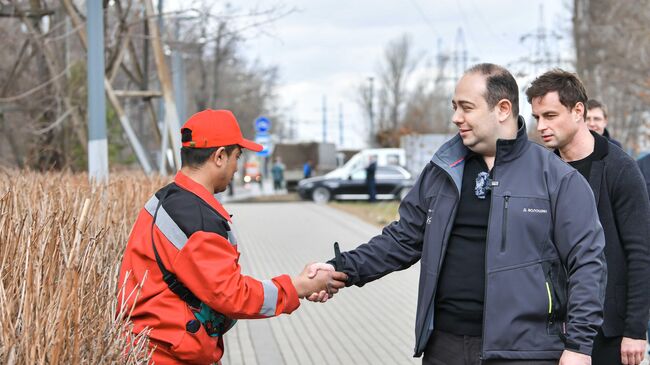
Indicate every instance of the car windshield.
{"type": "Point", "coordinates": [382, 173]}
{"type": "Point", "coordinates": [391, 173]}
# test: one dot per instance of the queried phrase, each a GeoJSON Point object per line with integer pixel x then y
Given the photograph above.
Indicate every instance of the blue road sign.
{"type": "Point", "coordinates": [262, 125]}
{"type": "Point", "coordinates": [265, 141]}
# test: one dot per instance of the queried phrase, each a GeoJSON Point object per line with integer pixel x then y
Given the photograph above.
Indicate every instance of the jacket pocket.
{"type": "Point", "coordinates": [504, 222]}
{"type": "Point", "coordinates": [516, 310]}
{"type": "Point", "coordinates": [519, 224]}
{"type": "Point", "coordinates": [555, 283]}
{"type": "Point", "coordinates": [196, 346]}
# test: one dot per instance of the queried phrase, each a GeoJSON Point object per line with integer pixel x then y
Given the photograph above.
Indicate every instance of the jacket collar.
{"type": "Point", "coordinates": [597, 173]}
{"type": "Point", "coordinates": [451, 156]}
{"type": "Point", "coordinates": [197, 189]}
{"type": "Point", "coordinates": [511, 149]}
{"type": "Point", "coordinates": [606, 134]}
{"type": "Point", "coordinates": [601, 147]}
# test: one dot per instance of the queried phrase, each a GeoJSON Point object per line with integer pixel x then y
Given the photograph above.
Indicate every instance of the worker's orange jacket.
{"type": "Point", "coordinates": [194, 242]}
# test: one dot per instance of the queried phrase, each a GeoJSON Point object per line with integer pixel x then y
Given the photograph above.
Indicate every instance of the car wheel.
{"type": "Point", "coordinates": [403, 193]}
{"type": "Point", "coordinates": [321, 195]}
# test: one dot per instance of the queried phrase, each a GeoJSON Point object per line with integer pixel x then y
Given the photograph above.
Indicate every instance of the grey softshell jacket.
{"type": "Point", "coordinates": [545, 269]}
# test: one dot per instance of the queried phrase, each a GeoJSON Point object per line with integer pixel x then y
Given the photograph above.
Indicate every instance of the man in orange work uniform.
{"type": "Point", "coordinates": [180, 275]}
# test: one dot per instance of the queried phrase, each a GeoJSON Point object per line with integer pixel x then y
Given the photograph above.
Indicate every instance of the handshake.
{"type": "Point", "coordinates": [319, 281]}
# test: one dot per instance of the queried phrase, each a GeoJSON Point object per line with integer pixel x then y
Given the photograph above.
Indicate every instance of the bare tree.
{"type": "Point", "coordinates": [428, 109]}
{"type": "Point", "coordinates": [398, 65]}
{"type": "Point", "coordinates": [406, 102]}
{"type": "Point", "coordinates": [394, 72]}
{"type": "Point", "coordinates": [612, 42]}
{"type": "Point", "coordinates": [43, 75]}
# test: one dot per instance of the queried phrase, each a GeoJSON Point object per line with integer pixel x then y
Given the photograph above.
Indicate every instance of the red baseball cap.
{"type": "Point", "coordinates": [214, 128]}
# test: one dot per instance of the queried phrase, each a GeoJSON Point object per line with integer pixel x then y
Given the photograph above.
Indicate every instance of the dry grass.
{"type": "Point", "coordinates": [379, 213]}
{"type": "Point", "coordinates": [61, 241]}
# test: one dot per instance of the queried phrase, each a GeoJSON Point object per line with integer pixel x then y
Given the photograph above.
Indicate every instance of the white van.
{"type": "Point", "coordinates": [384, 156]}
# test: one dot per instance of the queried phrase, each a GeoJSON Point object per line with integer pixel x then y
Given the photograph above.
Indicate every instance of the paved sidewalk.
{"type": "Point", "coordinates": [369, 325]}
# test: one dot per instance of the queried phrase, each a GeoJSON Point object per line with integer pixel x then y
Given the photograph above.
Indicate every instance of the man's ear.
{"type": "Point", "coordinates": [579, 110]}
{"type": "Point", "coordinates": [219, 156]}
{"type": "Point", "coordinates": [504, 108]}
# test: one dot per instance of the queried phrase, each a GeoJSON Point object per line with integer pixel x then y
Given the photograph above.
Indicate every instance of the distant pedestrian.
{"type": "Point", "coordinates": [597, 120]}
{"type": "Point", "coordinates": [371, 183]}
{"type": "Point", "coordinates": [277, 171]}
{"type": "Point", "coordinates": [307, 169]}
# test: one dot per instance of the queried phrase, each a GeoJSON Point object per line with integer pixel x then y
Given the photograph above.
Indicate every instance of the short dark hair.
{"type": "Point", "coordinates": [567, 84]}
{"type": "Point", "coordinates": [195, 157]}
{"type": "Point", "coordinates": [499, 84]}
{"type": "Point", "coordinates": [594, 104]}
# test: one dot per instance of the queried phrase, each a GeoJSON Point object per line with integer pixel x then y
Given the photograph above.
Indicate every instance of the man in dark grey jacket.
{"type": "Point", "coordinates": [508, 239]}
{"type": "Point", "coordinates": [559, 100]}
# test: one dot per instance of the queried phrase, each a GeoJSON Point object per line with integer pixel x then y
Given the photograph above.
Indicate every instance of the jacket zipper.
{"type": "Point", "coordinates": [548, 277]}
{"type": "Point", "coordinates": [550, 302]}
{"type": "Point", "coordinates": [485, 279]}
{"type": "Point", "coordinates": [504, 225]}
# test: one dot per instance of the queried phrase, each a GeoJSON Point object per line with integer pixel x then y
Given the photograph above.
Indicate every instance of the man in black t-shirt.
{"type": "Point", "coordinates": [559, 100]}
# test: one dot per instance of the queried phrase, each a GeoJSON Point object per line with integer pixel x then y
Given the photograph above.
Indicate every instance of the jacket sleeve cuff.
{"type": "Point", "coordinates": [636, 334]}
{"type": "Point", "coordinates": [289, 301]}
{"type": "Point", "coordinates": [348, 283]}
{"type": "Point", "coordinates": [570, 345]}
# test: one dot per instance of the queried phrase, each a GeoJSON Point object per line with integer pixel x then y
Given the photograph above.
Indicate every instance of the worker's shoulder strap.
{"type": "Point", "coordinates": [177, 237]}
{"type": "Point", "coordinates": [187, 214]}
{"type": "Point", "coordinates": [183, 213]}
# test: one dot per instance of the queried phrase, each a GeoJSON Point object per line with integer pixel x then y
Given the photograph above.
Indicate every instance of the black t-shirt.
{"type": "Point", "coordinates": [584, 166]}
{"type": "Point", "coordinates": [461, 286]}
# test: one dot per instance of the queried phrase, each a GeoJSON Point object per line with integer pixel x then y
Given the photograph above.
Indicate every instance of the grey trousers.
{"type": "Point", "coordinates": [449, 349]}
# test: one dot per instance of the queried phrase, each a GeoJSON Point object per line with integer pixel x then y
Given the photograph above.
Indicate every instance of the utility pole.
{"type": "Point", "coordinates": [460, 54]}
{"type": "Point", "coordinates": [324, 119]}
{"type": "Point", "coordinates": [441, 62]}
{"type": "Point", "coordinates": [97, 144]}
{"type": "Point", "coordinates": [161, 26]}
{"type": "Point", "coordinates": [178, 74]}
{"type": "Point", "coordinates": [371, 111]}
{"type": "Point", "coordinates": [340, 125]}
{"type": "Point", "coordinates": [171, 113]}
{"type": "Point", "coordinates": [110, 92]}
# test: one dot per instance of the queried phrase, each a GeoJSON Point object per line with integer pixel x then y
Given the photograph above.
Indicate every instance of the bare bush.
{"type": "Point", "coordinates": [61, 242]}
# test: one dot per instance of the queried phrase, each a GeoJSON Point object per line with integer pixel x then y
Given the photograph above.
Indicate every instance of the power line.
{"type": "Point", "coordinates": [490, 30]}
{"type": "Point", "coordinates": [467, 23]}
{"type": "Point", "coordinates": [424, 17]}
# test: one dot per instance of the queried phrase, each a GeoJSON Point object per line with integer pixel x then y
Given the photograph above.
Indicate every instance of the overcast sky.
{"type": "Point", "coordinates": [327, 47]}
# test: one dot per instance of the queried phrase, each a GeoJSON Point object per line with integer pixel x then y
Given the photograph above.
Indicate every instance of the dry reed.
{"type": "Point", "coordinates": [61, 241]}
